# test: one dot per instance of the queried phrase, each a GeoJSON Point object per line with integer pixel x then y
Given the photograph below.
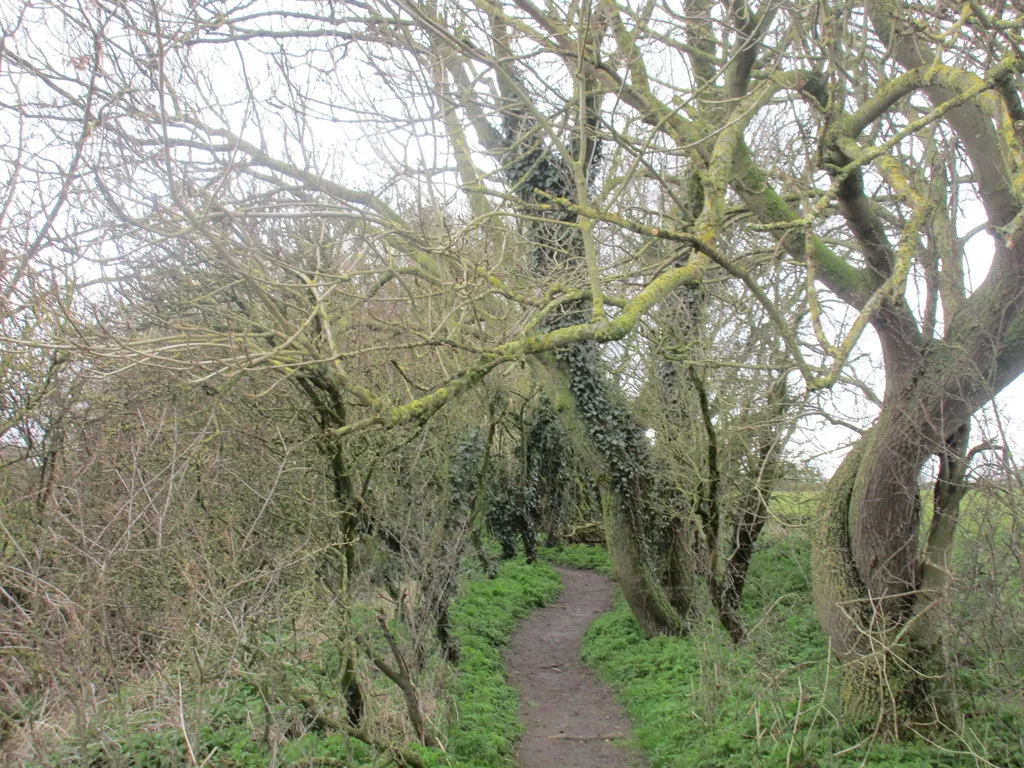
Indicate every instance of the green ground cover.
{"type": "Point", "coordinates": [244, 727]}
{"type": "Point", "coordinates": [487, 726]}
{"type": "Point", "coordinates": [697, 702]}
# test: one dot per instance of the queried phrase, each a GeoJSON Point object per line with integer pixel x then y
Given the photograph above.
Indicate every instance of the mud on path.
{"type": "Point", "coordinates": [571, 719]}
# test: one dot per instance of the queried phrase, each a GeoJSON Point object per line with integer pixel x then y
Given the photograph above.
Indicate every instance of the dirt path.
{"type": "Point", "coordinates": [571, 719]}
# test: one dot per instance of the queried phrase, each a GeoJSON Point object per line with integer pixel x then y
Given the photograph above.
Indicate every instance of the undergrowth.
{"type": "Point", "coordinates": [697, 702]}
{"type": "Point", "coordinates": [234, 723]}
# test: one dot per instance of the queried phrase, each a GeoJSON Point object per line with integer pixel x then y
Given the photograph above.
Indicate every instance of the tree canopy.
{"type": "Point", "coordinates": [672, 217]}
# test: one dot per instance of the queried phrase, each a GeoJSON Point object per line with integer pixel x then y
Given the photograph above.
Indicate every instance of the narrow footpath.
{"type": "Point", "coordinates": [571, 719]}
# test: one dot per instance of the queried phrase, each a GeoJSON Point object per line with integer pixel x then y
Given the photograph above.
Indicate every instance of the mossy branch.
{"type": "Point", "coordinates": [613, 330]}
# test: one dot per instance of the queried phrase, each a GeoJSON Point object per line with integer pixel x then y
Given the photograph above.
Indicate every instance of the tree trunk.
{"type": "Point", "coordinates": [936, 562]}
{"type": "Point", "coordinates": [746, 531]}
{"type": "Point", "coordinates": [879, 598]}
{"type": "Point", "coordinates": [326, 397]}
{"type": "Point", "coordinates": [545, 452]}
{"type": "Point", "coordinates": [867, 588]}
{"type": "Point", "coordinates": [649, 545]}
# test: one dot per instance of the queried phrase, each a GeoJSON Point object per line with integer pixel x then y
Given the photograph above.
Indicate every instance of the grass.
{"type": "Point", "coordinates": [487, 726]}
{"type": "Point", "coordinates": [582, 556]}
{"type": "Point", "coordinates": [697, 702]}
{"type": "Point", "coordinates": [228, 721]}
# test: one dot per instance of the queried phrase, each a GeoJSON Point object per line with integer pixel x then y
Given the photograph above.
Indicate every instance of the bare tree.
{"type": "Point", "coordinates": [514, 152]}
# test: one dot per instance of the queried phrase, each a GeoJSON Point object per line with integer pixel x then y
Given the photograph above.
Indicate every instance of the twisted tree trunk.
{"type": "Point", "coordinates": [879, 595]}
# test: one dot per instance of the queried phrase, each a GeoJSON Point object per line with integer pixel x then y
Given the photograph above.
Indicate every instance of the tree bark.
{"type": "Point", "coordinates": [647, 543]}
{"type": "Point", "coordinates": [876, 595]}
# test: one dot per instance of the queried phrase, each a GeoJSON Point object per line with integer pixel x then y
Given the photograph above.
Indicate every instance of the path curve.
{"type": "Point", "coordinates": [571, 719]}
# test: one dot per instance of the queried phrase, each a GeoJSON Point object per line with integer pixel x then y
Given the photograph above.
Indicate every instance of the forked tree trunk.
{"type": "Point", "coordinates": [868, 585]}
{"type": "Point", "coordinates": [878, 598]}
